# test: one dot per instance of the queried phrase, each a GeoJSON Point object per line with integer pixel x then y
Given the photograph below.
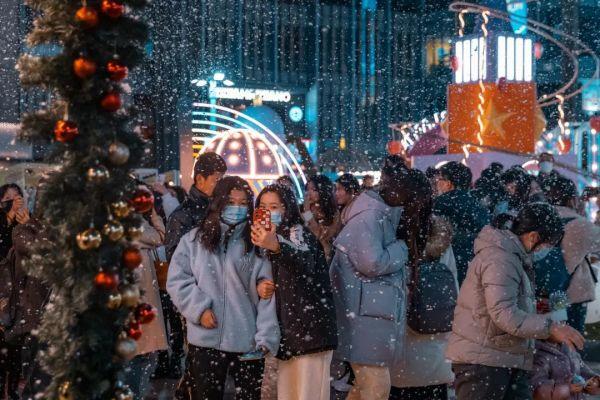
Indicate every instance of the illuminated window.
{"type": "Point", "coordinates": [438, 51]}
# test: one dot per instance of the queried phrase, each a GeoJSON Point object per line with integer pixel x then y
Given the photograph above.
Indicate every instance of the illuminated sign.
{"type": "Point", "coordinates": [296, 114]}
{"type": "Point", "coordinates": [517, 9]}
{"type": "Point", "coordinates": [502, 56]}
{"type": "Point", "coordinates": [590, 97]}
{"type": "Point", "coordinates": [275, 96]}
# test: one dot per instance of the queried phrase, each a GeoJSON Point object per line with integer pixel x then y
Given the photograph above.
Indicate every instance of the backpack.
{"type": "Point", "coordinates": [433, 299]}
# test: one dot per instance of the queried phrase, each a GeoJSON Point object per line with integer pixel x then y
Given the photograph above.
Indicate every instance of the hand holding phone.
{"type": "Point", "coordinates": [262, 218]}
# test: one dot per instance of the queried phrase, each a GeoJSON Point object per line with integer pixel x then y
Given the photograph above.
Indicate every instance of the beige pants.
{"type": "Point", "coordinates": [305, 378]}
{"type": "Point", "coordinates": [370, 383]}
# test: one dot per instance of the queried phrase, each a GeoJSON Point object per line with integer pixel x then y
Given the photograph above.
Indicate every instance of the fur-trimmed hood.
{"type": "Point", "coordinates": [440, 238]}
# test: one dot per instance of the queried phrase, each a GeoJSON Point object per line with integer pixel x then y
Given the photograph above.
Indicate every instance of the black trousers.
{"type": "Point", "coordinates": [175, 333]}
{"type": "Point", "coordinates": [480, 382]}
{"type": "Point", "coordinates": [206, 371]}
{"type": "Point", "coordinates": [434, 392]}
{"type": "Point", "coordinates": [10, 367]}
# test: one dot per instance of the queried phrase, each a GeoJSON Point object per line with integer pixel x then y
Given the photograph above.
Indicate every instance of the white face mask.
{"type": "Point", "coordinates": [546, 167]}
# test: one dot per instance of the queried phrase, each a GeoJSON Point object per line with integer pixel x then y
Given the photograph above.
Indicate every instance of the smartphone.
{"type": "Point", "coordinates": [252, 356]}
{"type": "Point", "coordinates": [6, 205]}
{"type": "Point", "coordinates": [262, 217]}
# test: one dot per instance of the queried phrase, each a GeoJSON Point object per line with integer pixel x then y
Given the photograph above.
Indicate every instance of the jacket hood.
{"type": "Point", "coordinates": [440, 238]}
{"type": "Point", "coordinates": [501, 240]}
{"type": "Point", "coordinates": [368, 200]}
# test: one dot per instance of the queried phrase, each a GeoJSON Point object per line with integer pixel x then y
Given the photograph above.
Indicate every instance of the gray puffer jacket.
{"type": "Point", "coordinates": [369, 282]}
{"type": "Point", "coordinates": [495, 320]}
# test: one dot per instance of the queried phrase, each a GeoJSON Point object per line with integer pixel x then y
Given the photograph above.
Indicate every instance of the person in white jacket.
{"type": "Point", "coordinates": [212, 281]}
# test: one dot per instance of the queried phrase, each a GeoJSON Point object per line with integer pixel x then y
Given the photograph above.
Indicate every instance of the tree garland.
{"type": "Point", "coordinates": [89, 207]}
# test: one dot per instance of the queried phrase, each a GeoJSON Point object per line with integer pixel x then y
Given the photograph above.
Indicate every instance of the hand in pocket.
{"type": "Point", "coordinates": [208, 320]}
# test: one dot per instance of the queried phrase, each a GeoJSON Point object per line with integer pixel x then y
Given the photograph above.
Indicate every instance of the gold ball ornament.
{"type": "Point", "coordinates": [120, 209]}
{"type": "Point", "coordinates": [114, 301]}
{"type": "Point", "coordinates": [124, 393]}
{"type": "Point", "coordinates": [126, 348]}
{"type": "Point", "coordinates": [89, 239]}
{"type": "Point", "coordinates": [130, 296]}
{"type": "Point", "coordinates": [64, 391]}
{"type": "Point", "coordinates": [97, 174]}
{"type": "Point", "coordinates": [113, 230]}
{"type": "Point", "coordinates": [118, 153]}
{"type": "Point", "coordinates": [135, 232]}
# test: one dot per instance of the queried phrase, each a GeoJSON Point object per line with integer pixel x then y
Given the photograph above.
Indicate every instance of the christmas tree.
{"type": "Point", "coordinates": [89, 207]}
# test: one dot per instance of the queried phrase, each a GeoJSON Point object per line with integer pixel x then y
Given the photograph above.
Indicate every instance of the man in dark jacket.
{"type": "Point", "coordinates": [465, 212]}
{"type": "Point", "coordinates": [208, 170]}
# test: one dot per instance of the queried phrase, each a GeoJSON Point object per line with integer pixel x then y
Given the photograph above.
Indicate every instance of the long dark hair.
{"type": "Point", "coordinates": [417, 200]}
{"type": "Point", "coordinates": [209, 233]}
{"type": "Point", "coordinates": [292, 215]}
{"type": "Point", "coordinates": [6, 187]}
{"type": "Point", "coordinates": [327, 204]}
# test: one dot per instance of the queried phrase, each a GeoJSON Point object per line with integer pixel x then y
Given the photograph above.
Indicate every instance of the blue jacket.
{"type": "Point", "coordinates": [468, 217]}
{"type": "Point", "coordinates": [369, 282]}
{"type": "Point", "coordinates": [225, 283]}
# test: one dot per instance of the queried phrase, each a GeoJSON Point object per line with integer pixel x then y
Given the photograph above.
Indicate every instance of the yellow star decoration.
{"type": "Point", "coordinates": [493, 120]}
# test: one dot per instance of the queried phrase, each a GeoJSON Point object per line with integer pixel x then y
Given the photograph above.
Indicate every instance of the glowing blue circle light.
{"type": "Point", "coordinates": [296, 114]}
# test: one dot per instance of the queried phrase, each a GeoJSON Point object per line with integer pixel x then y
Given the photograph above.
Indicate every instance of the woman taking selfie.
{"type": "Point", "coordinates": [212, 280]}
{"type": "Point", "coordinates": [305, 309]}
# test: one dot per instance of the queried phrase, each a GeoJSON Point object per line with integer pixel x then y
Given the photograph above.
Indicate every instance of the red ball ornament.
{"type": "Point", "coordinates": [112, 9]}
{"type": "Point", "coordinates": [565, 146]}
{"type": "Point", "coordinates": [145, 313]}
{"type": "Point", "coordinates": [595, 123]}
{"type": "Point", "coordinates": [65, 131]}
{"type": "Point", "coordinates": [394, 147]}
{"type": "Point", "coordinates": [538, 50]}
{"type": "Point", "coordinates": [134, 330]}
{"type": "Point", "coordinates": [132, 258]}
{"type": "Point", "coordinates": [116, 70]}
{"type": "Point", "coordinates": [454, 63]}
{"type": "Point", "coordinates": [87, 16]}
{"type": "Point", "coordinates": [106, 281]}
{"type": "Point", "coordinates": [84, 67]}
{"type": "Point", "coordinates": [142, 200]}
{"type": "Point", "coordinates": [111, 101]}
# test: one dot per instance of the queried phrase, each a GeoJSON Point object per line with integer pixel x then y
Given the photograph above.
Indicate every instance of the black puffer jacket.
{"type": "Point", "coordinates": [185, 218]}
{"type": "Point", "coordinates": [305, 308]}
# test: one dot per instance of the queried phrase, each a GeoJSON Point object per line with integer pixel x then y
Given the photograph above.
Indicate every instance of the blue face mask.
{"type": "Point", "coordinates": [276, 218]}
{"type": "Point", "coordinates": [233, 215]}
{"type": "Point", "coordinates": [541, 254]}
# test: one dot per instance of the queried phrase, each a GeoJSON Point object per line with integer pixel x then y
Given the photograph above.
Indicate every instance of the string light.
{"type": "Point", "coordinates": [561, 121]}
{"type": "Point", "coordinates": [594, 149]}
{"type": "Point", "coordinates": [461, 20]}
{"type": "Point", "coordinates": [481, 105]}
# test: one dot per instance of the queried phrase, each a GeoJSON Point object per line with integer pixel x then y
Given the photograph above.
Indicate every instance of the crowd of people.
{"type": "Point", "coordinates": [425, 282]}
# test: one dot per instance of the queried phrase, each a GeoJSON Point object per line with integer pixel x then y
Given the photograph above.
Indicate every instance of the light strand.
{"type": "Point", "coordinates": [461, 20]}
{"type": "Point", "coordinates": [481, 105]}
{"type": "Point", "coordinates": [561, 121]}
